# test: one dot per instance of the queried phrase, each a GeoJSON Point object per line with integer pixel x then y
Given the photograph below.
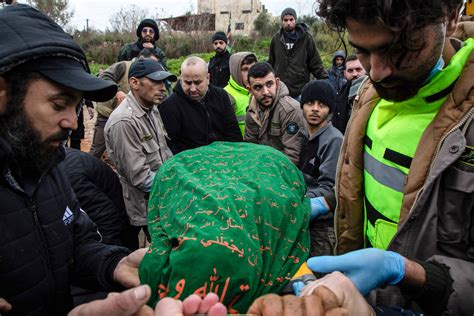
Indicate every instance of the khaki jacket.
{"type": "Point", "coordinates": [287, 129]}
{"type": "Point", "coordinates": [117, 73]}
{"type": "Point", "coordinates": [136, 143]}
{"type": "Point", "coordinates": [437, 216]}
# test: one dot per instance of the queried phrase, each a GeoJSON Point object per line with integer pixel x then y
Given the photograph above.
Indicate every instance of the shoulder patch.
{"type": "Point", "coordinates": [292, 128]}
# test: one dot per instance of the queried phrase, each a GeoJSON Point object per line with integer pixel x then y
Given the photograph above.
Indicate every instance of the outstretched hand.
{"type": "Point", "coordinates": [126, 271]}
{"type": "Point", "coordinates": [367, 268]}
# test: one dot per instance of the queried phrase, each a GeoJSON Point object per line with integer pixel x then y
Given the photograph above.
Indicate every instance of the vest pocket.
{"type": "Point", "coordinates": [384, 232]}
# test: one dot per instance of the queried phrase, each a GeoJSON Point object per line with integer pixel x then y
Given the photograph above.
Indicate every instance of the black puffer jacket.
{"type": "Point", "coordinates": [47, 243]}
{"type": "Point", "coordinates": [98, 190]}
{"type": "Point", "coordinates": [294, 66]}
{"type": "Point", "coordinates": [219, 69]}
{"type": "Point", "coordinates": [191, 124]}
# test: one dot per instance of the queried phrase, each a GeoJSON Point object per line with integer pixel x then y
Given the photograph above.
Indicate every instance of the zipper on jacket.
{"type": "Point", "coordinates": [438, 148]}
{"type": "Point", "coordinates": [32, 206]}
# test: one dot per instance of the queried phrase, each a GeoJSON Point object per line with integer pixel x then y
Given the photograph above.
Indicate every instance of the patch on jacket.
{"type": "Point", "coordinates": [292, 128]}
{"type": "Point", "coordinates": [68, 216]}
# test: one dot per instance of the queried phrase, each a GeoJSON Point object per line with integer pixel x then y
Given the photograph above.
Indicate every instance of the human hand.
{"type": "Point", "coordinates": [348, 297]}
{"type": "Point", "coordinates": [91, 112]}
{"type": "Point", "coordinates": [147, 45]}
{"type": "Point", "coordinates": [193, 304]}
{"type": "Point", "coordinates": [318, 207]}
{"type": "Point", "coordinates": [120, 96]}
{"type": "Point", "coordinates": [130, 302]}
{"type": "Point", "coordinates": [367, 268]}
{"type": "Point", "coordinates": [126, 271]}
{"type": "Point", "coordinates": [324, 302]}
{"type": "Point", "coordinates": [4, 306]}
{"type": "Point", "coordinates": [133, 302]}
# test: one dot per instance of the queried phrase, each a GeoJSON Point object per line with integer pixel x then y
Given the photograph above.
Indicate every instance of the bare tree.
{"type": "Point", "coordinates": [127, 19]}
{"type": "Point", "coordinates": [57, 10]}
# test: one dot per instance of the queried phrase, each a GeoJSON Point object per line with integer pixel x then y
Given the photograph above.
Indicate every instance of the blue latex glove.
{"type": "Point", "coordinates": [318, 207]}
{"type": "Point", "coordinates": [298, 287]}
{"type": "Point", "coordinates": [367, 268]}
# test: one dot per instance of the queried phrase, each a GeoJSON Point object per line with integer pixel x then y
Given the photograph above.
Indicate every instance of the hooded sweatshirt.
{"type": "Point", "coordinates": [239, 95]}
{"type": "Point", "coordinates": [336, 73]}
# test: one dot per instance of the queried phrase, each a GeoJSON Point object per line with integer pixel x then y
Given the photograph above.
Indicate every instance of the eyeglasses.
{"type": "Point", "coordinates": [148, 30]}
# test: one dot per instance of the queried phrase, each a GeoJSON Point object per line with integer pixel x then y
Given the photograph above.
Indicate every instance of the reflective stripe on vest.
{"type": "Point", "coordinates": [241, 97]}
{"type": "Point", "coordinates": [392, 136]}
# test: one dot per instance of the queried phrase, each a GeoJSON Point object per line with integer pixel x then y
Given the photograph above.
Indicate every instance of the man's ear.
{"type": "Point", "coordinates": [3, 95]}
{"type": "Point", "coordinates": [133, 83]}
{"type": "Point", "coordinates": [451, 23]}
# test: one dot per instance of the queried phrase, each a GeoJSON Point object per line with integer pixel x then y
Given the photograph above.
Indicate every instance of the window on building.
{"type": "Point", "coordinates": [224, 12]}
{"type": "Point", "coordinates": [246, 11]}
{"type": "Point", "coordinates": [239, 26]}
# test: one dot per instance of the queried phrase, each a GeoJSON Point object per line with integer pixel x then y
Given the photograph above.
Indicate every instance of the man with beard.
{"type": "Point", "coordinates": [355, 74]}
{"type": "Point", "coordinates": [319, 159]}
{"type": "Point", "coordinates": [219, 64]}
{"type": "Point", "coordinates": [47, 243]}
{"type": "Point", "coordinates": [148, 34]}
{"type": "Point", "coordinates": [273, 118]}
{"type": "Point", "coordinates": [294, 55]}
{"type": "Point", "coordinates": [198, 113]}
{"type": "Point", "coordinates": [136, 139]}
{"type": "Point", "coordinates": [405, 181]}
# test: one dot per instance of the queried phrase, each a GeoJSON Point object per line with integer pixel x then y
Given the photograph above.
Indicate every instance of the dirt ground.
{"type": "Point", "coordinates": [89, 130]}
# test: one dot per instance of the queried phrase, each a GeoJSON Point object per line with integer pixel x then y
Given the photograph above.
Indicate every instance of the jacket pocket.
{"type": "Point", "coordinates": [455, 207]}
{"type": "Point", "coordinates": [151, 148]}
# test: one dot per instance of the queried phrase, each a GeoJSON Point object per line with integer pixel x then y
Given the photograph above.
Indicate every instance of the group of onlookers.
{"type": "Point", "coordinates": [390, 202]}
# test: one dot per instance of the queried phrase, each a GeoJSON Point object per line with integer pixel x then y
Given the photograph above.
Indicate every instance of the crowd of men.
{"type": "Point", "coordinates": [383, 140]}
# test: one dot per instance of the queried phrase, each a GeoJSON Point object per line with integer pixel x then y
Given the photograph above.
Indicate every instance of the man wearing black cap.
{"type": "Point", "coordinates": [136, 139]}
{"type": "Point", "coordinates": [148, 33]}
{"type": "Point", "coordinates": [219, 64]}
{"type": "Point", "coordinates": [47, 243]}
{"type": "Point", "coordinates": [294, 55]}
{"type": "Point", "coordinates": [319, 158]}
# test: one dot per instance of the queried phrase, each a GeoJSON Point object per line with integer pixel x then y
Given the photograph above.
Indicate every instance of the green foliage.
{"type": "Point", "coordinates": [265, 24]}
{"type": "Point", "coordinates": [95, 68]}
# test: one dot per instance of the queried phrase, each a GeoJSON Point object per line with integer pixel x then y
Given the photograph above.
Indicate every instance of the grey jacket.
{"type": "Point", "coordinates": [283, 126]}
{"type": "Point", "coordinates": [318, 160]}
{"type": "Point", "coordinates": [136, 143]}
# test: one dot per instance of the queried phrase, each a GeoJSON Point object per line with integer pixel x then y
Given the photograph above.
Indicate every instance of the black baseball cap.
{"type": "Point", "coordinates": [71, 73]}
{"type": "Point", "coordinates": [151, 69]}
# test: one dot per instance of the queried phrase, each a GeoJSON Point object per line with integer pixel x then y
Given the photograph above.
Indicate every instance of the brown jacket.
{"type": "Point", "coordinates": [437, 216]}
{"type": "Point", "coordinates": [287, 129]}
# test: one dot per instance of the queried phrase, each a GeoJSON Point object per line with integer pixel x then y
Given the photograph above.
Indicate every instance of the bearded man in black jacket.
{"type": "Point", "coordinates": [47, 243]}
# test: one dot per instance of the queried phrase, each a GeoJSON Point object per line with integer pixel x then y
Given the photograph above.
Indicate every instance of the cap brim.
{"type": "Point", "coordinates": [93, 88]}
{"type": "Point", "coordinates": [161, 75]}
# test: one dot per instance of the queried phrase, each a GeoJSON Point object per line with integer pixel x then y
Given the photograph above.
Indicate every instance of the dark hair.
{"type": "Point", "coordinates": [249, 59]}
{"type": "Point", "coordinates": [351, 57]}
{"type": "Point", "coordinates": [260, 70]}
{"type": "Point", "coordinates": [147, 53]}
{"type": "Point", "coordinates": [402, 17]}
{"type": "Point", "coordinates": [17, 85]}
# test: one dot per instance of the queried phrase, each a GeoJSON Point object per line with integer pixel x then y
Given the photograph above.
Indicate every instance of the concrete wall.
{"type": "Point", "coordinates": [240, 13]}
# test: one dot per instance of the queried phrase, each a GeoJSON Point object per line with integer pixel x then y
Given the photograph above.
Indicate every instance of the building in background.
{"type": "Point", "coordinates": [239, 14]}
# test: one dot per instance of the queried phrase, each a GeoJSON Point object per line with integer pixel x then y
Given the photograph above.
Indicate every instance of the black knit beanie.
{"type": "Point", "coordinates": [288, 11]}
{"type": "Point", "coordinates": [150, 23]}
{"type": "Point", "coordinates": [320, 90]}
{"type": "Point", "coordinates": [219, 36]}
